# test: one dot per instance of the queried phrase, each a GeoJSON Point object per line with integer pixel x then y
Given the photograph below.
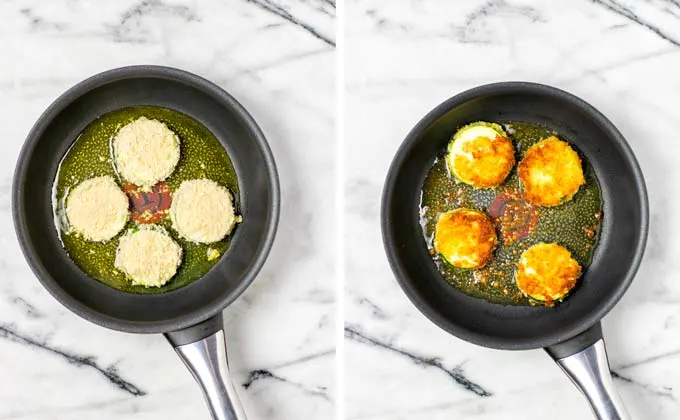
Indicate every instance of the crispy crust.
{"type": "Point", "coordinates": [550, 173]}
{"type": "Point", "coordinates": [547, 272]}
{"type": "Point", "coordinates": [465, 238]}
{"type": "Point", "coordinates": [491, 162]}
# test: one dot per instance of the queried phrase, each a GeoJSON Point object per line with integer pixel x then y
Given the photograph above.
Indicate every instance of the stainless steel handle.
{"type": "Point", "coordinates": [207, 361]}
{"type": "Point", "coordinates": [589, 370]}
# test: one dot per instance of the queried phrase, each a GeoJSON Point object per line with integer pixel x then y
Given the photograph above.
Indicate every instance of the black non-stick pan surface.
{"type": "Point", "coordinates": [572, 325]}
{"type": "Point", "coordinates": [174, 312]}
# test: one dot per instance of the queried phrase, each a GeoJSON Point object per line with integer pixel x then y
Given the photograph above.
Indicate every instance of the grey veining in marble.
{"type": "Point", "coordinates": [405, 57]}
{"type": "Point", "coordinates": [277, 59]}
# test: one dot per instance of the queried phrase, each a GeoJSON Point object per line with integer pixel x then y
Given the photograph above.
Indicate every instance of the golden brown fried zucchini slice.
{"type": "Point", "coordinates": [465, 238]}
{"type": "Point", "coordinates": [547, 272]}
{"type": "Point", "coordinates": [550, 173]}
{"type": "Point", "coordinates": [481, 154]}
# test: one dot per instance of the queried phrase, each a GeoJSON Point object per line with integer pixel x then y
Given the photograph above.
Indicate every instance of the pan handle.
{"type": "Point", "coordinates": [584, 359]}
{"type": "Point", "coordinates": [203, 350]}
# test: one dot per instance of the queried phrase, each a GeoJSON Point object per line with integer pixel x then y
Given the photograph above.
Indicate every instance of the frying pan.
{"type": "Point", "coordinates": [570, 332]}
{"type": "Point", "coordinates": [190, 317]}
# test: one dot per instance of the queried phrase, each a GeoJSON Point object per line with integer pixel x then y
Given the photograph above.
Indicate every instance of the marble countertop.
{"type": "Point", "coordinates": [403, 59]}
{"type": "Point", "coordinates": [277, 59]}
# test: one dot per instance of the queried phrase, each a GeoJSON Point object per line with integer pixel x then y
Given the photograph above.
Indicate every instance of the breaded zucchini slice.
{"type": "Point", "coordinates": [148, 256]}
{"type": "Point", "coordinates": [547, 272]}
{"type": "Point", "coordinates": [481, 154]}
{"type": "Point", "coordinates": [202, 211]}
{"type": "Point", "coordinates": [550, 173]}
{"type": "Point", "coordinates": [465, 238]}
{"type": "Point", "coordinates": [146, 151]}
{"type": "Point", "coordinates": [97, 209]}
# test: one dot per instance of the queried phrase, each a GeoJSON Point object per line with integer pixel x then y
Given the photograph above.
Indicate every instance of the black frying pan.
{"type": "Point", "coordinates": [190, 317]}
{"type": "Point", "coordinates": [571, 331]}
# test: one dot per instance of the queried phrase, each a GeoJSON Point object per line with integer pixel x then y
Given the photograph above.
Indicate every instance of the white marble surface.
{"type": "Point", "coordinates": [277, 58]}
{"type": "Point", "coordinates": [405, 57]}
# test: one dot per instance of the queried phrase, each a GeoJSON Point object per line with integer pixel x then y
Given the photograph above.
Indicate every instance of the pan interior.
{"type": "Point", "coordinates": [574, 225]}
{"type": "Point", "coordinates": [202, 156]}
{"type": "Point", "coordinates": [624, 223]}
{"type": "Point", "coordinates": [56, 131]}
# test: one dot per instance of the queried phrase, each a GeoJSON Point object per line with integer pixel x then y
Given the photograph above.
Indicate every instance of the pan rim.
{"type": "Point", "coordinates": [397, 265]}
{"type": "Point", "coordinates": [63, 101]}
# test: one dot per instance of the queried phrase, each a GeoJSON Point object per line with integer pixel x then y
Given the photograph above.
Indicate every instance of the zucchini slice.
{"type": "Point", "coordinates": [465, 238]}
{"type": "Point", "coordinates": [481, 154]}
{"type": "Point", "coordinates": [546, 272]}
